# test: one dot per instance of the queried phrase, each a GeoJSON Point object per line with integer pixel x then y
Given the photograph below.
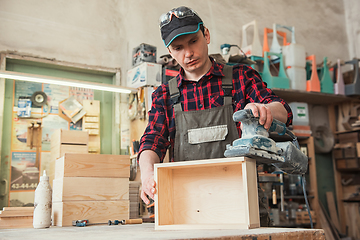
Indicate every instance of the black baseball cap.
{"type": "Point", "coordinates": [178, 21]}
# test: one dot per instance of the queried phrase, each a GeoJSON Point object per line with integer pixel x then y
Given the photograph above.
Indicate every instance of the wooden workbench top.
{"type": "Point", "coordinates": [146, 231]}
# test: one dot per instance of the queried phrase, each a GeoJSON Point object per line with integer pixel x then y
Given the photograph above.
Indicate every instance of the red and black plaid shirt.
{"type": "Point", "coordinates": [204, 94]}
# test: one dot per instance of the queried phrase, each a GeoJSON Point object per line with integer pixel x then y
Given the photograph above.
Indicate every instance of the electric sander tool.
{"type": "Point", "coordinates": [255, 143]}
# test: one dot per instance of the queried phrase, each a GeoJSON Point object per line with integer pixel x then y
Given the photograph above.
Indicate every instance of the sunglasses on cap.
{"type": "Point", "coordinates": [180, 12]}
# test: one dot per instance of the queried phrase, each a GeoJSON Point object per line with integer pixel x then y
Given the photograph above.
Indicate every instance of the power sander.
{"type": "Point", "coordinates": [255, 143]}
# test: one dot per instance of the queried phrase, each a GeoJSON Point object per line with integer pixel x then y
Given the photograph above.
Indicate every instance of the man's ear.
{"type": "Point", "coordinates": [207, 35]}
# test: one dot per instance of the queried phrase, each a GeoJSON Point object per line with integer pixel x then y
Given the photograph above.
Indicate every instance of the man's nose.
{"type": "Point", "coordinates": [188, 52]}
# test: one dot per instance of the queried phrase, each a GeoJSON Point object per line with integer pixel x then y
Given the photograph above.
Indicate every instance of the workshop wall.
{"type": "Point", "coordinates": [105, 32]}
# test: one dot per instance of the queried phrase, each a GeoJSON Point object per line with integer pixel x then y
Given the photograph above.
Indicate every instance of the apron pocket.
{"type": "Point", "coordinates": [207, 134]}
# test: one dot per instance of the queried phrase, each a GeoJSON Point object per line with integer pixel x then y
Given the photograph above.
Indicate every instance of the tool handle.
{"type": "Point", "coordinates": [132, 221]}
{"type": "Point", "coordinates": [278, 127]}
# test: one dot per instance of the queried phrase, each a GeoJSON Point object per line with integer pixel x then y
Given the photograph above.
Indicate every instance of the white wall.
{"type": "Point", "coordinates": [103, 32]}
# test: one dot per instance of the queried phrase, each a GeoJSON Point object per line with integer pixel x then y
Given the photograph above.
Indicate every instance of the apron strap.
{"type": "Point", "coordinates": [174, 94]}
{"type": "Point", "coordinates": [227, 84]}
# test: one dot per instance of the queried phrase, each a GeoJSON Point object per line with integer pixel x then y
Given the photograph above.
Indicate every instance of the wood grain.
{"type": "Point", "coordinates": [16, 222]}
{"type": "Point", "coordinates": [63, 213]}
{"type": "Point", "coordinates": [90, 189]}
{"type": "Point", "coordinates": [92, 165]}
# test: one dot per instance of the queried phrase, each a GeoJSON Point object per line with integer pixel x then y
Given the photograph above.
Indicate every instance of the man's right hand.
{"type": "Point", "coordinates": [148, 188]}
{"type": "Point", "coordinates": [147, 160]}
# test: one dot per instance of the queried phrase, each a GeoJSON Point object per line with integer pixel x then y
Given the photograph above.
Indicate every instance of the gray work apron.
{"type": "Point", "coordinates": [203, 134]}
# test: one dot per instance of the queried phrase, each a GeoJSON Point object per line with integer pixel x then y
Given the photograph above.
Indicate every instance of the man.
{"type": "Point", "coordinates": [192, 113]}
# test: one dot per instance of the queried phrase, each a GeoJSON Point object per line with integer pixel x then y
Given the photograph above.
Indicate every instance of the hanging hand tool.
{"type": "Point", "coordinates": [255, 143]}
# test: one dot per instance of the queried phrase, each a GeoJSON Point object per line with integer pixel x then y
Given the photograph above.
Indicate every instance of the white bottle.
{"type": "Point", "coordinates": [42, 203]}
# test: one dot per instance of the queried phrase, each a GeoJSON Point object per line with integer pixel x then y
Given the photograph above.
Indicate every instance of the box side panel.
{"type": "Point", "coordinates": [68, 148]}
{"type": "Point", "coordinates": [91, 189]}
{"type": "Point", "coordinates": [164, 197]}
{"type": "Point", "coordinates": [96, 165]}
{"type": "Point", "coordinates": [94, 211]}
{"type": "Point", "coordinates": [59, 167]}
{"type": "Point", "coordinates": [250, 180]}
{"type": "Point", "coordinates": [74, 137]}
{"type": "Point", "coordinates": [57, 189]}
{"type": "Point", "coordinates": [57, 213]}
{"type": "Point", "coordinates": [204, 195]}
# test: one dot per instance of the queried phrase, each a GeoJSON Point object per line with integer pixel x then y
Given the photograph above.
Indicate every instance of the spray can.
{"type": "Point", "coordinates": [42, 203]}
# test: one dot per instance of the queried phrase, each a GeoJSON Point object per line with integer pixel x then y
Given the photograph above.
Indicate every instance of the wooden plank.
{"type": "Point", "coordinates": [165, 214]}
{"type": "Point", "coordinates": [92, 165]}
{"type": "Point", "coordinates": [59, 150]}
{"type": "Point", "coordinates": [16, 222]}
{"type": "Point", "coordinates": [63, 213]}
{"type": "Point", "coordinates": [7, 214]}
{"type": "Point", "coordinates": [249, 173]}
{"type": "Point", "coordinates": [92, 107]}
{"type": "Point", "coordinates": [90, 189]}
{"type": "Point", "coordinates": [332, 209]}
{"type": "Point", "coordinates": [61, 136]}
{"type": "Point", "coordinates": [24, 209]}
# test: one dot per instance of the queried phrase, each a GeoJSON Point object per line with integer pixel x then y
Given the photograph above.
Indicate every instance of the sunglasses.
{"type": "Point", "coordinates": [180, 12]}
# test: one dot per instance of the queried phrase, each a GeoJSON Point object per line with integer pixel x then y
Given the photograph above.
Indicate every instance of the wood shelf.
{"type": "Point", "coordinates": [291, 95]}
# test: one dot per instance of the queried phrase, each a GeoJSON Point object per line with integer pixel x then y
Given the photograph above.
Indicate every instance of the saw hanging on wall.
{"type": "Point", "coordinates": [37, 99]}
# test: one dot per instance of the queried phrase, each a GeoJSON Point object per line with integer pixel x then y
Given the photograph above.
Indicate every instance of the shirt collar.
{"type": "Point", "coordinates": [216, 70]}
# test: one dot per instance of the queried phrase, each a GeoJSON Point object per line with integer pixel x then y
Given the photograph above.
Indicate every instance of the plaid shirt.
{"type": "Point", "coordinates": [204, 94]}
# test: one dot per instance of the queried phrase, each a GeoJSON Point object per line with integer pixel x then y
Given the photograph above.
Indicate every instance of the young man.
{"type": "Point", "coordinates": [192, 114]}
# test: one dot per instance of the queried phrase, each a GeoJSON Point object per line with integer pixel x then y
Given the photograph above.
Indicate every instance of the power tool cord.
{"type": "Point", "coordinates": [295, 141]}
{"type": "Point", "coordinates": [306, 201]}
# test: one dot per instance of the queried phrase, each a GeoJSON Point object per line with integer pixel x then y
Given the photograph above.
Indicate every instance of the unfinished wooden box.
{"type": "Point", "coordinates": [92, 165]}
{"type": "Point", "coordinates": [66, 141]}
{"type": "Point", "coordinates": [207, 194]}
{"type": "Point", "coordinates": [61, 136]}
{"type": "Point", "coordinates": [90, 186]}
{"type": "Point", "coordinates": [95, 211]}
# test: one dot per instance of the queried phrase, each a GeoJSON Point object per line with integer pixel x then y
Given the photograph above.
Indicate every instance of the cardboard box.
{"type": "Point", "coordinates": [63, 213]}
{"type": "Point", "coordinates": [61, 136]}
{"type": "Point", "coordinates": [92, 165]}
{"type": "Point", "coordinates": [302, 217]}
{"type": "Point", "coordinates": [146, 74]}
{"type": "Point", "coordinates": [90, 189]}
{"type": "Point", "coordinates": [207, 194]}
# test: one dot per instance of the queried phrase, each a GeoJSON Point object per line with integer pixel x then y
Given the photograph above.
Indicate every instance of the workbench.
{"type": "Point", "coordinates": [147, 231]}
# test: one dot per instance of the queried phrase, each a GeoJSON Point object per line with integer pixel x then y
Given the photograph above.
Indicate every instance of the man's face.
{"type": "Point", "coordinates": [191, 50]}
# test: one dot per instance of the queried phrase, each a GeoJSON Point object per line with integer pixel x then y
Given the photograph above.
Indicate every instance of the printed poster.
{"type": "Point", "coordinates": [49, 125]}
{"type": "Point", "coordinates": [25, 89]}
{"type": "Point", "coordinates": [81, 94]}
{"type": "Point", "coordinates": [45, 163]}
{"type": "Point", "coordinates": [22, 199]}
{"type": "Point", "coordinates": [56, 94]}
{"type": "Point", "coordinates": [24, 174]}
{"type": "Point", "coordinates": [19, 134]}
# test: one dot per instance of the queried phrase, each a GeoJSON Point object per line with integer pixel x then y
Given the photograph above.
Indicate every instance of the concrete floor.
{"type": "Point", "coordinates": [143, 231]}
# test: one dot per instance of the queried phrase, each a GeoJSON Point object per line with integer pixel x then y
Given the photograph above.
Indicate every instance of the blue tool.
{"type": "Point", "coordinates": [255, 143]}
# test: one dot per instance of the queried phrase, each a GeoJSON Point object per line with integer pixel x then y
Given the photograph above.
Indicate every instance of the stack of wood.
{"type": "Point", "coordinates": [66, 141]}
{"type": "Point", "coordinates": [91, 124]}
{"type": "Point", "coordinates": [90, 186]}
{"type": "Point", "coordinates": [134, 199]}
{"type": "Point", "coordinates": [16, 217]}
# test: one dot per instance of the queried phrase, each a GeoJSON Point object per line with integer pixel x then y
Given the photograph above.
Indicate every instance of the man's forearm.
{"type": "Point", "coordinates": [278, 111]}
{"type": "Point", "coordinates": [147, 160]}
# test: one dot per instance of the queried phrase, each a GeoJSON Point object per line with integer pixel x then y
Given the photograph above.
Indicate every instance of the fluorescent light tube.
{"type": "Point", "coordinates": [65, 82]}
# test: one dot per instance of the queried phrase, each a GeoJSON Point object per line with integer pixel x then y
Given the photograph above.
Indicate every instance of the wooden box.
{"type": "Point", "coordinates": [59, 150]}
{"type": "Point", "coordinates": [302, 217]}
{"type": "Point", "coordinates": [207, 194]}
{"type": "Point", "coordinates": [61, 136]}
{"type": "Point", "coordinates": [92, 165]}
{"type": "Point", "coordinates": [63, 213]}
{"type": "Point", "coordinates": [90, 189]}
